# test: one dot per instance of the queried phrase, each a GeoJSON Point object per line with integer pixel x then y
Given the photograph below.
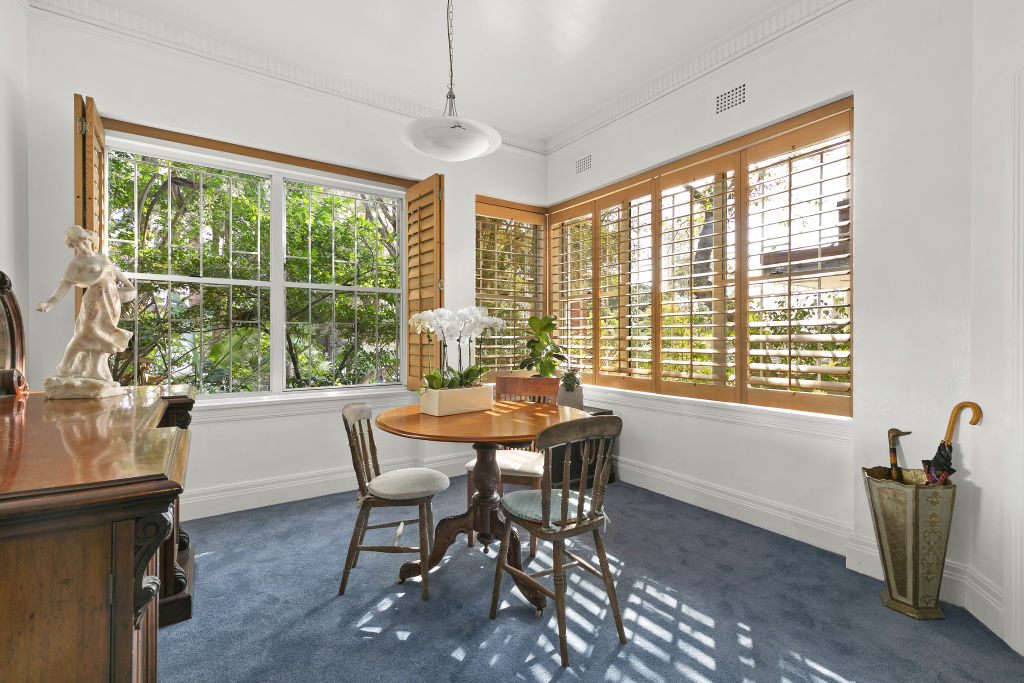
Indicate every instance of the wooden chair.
{"type": "Point", "coordinates": [520, 466]}
{"type": "Point", "coordinates": [404, 487]}
{"type": "Point", "coordinates": [555, 515]}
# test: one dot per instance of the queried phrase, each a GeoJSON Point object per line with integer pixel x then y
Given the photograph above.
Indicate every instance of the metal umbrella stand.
{"type": "Point", "coordinates": [912, 511]}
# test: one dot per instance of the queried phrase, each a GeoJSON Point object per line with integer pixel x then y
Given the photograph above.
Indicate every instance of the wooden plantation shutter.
{"type": "Point", "coordinates": [799, 269]}
{"type": "Point", "coordinates": [424, 230]}
{"type": "Point", "coordinates": [697, 303]}
{"type": "Point", "coordinates": [725, 275]}
{"type": "Point", "coordinates": [90, 169]}
{"type": "Point", "coordinates": [509, 278]}
{"type": "Point", "coordinates": [571, 275]}
{"type": "Point", "coordinates": [625, 288]}
{"type": "Point", "coordinates": [90, 175]}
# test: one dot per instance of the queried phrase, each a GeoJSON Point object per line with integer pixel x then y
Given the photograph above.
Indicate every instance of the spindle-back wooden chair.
{"type": "Point", "coordinates": [520, 466]}
{"type": "Point", "coordinates": [403, 487]}
{"type": "Point", "coordinates": [557, 514]}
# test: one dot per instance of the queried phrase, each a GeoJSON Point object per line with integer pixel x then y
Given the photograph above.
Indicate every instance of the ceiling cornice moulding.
{"type": "Point", "coordinates": [745, 40]}
{"type": "Point", "coordinates": [152, 31]}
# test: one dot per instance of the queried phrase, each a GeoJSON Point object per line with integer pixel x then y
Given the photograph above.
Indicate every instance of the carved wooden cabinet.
{"type": "Point", "coordinates": [87, 493]}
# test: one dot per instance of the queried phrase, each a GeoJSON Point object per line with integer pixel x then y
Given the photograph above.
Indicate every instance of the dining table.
{"type": "Point", "coordinates": [507, 422]}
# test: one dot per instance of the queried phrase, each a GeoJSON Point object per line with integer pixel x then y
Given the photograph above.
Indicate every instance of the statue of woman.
{"type": "Point", "coordinates": [84, 371]}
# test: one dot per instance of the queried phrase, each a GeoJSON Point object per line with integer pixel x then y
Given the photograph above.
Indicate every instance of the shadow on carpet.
{"type": "Point", "coordinates": [703, 598]}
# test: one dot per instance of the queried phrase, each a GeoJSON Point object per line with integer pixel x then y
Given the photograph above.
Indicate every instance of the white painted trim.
{"type": "Point", "coordinates": [961, 584]}
{"type": "Point", "coordinates": [247, 495]}
{"type": "Point", "coordinates": [1014, 621]}
{"type": "Point", "coordinates": [796, 422]}
{"type": "Point", "coordinates": [135, 28]}
{"type": "Point", "coordinates": [213, 409]}
{"type": "Point", "coordinates": [745, 40]}
{"type": "Point", "coordinates": [808, 527]}
{"type": "Point", "coordinates": [452, 464]}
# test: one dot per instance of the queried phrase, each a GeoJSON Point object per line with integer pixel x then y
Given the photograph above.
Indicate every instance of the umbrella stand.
{"type": "Point", "coordinates": [912, 518]}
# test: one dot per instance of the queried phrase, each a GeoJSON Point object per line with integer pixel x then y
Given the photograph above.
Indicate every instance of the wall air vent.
{"type": "Point", "coordinates": [731, 98]}
{"type": "Point", "coordinates": [583, 164]}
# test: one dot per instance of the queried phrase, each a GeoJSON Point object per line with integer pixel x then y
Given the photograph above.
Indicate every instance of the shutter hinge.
{"type": "Point", "coordinates": [440, 195]}
{"type": "Point", "coordinates": [440, 284]}
{"type": "Point", "coordinates": [81, 125]}
{"type": "Point", "coordinates": [110, 589]}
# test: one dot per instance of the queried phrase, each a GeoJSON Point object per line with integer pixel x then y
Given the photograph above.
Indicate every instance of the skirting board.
{"type": "Point", "coordinates": [817, 530]}
{"type": "Point", "coordinates": [246, 495]}
{"type": "Point", "coordinates": [961, 584]}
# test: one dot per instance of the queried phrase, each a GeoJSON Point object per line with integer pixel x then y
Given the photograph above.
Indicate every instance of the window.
{"type": "Point", "coordinates": [725, 276]}
{"type": "Point", "coordinates": [509, 279]}
{"type": "Point", "coordinates": [196, 238]}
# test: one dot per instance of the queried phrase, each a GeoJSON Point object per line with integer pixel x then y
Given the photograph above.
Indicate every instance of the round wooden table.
{"type": "Point", "coordinates": [507, 422]}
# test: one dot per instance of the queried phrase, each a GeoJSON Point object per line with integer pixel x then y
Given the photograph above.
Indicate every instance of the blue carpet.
{"type": "Point", "coordinates": [703, 597]}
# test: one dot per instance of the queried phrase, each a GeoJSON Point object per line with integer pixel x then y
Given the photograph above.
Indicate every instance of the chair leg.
{"type": "Point", "coordinates": [353, 547]}
{"type": "Point", "coordinates": [499, 570]}
{"type": "Point", "coordinates": [430, 525]}
{"type": "Point", "coordinates": [537, 483]}
{"type": "Point", "coordinates": [470, 490]}
{"type": "Point", "coordinates": [609, 585]}
{"type": "Point", "coordinates": [424, 551]}
{"type": "Point", "coordinates": [559, 560]}
{"type": "Point", "coordinates": [362, 535]}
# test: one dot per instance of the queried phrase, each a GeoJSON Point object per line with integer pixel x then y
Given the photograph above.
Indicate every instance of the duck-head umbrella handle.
{"type": "Point", "coordinates": [957, 409]}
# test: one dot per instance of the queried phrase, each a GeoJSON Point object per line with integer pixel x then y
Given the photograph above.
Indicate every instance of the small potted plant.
{"type": "Point", "coordinates": [570, 391]}
{"type": "Point", "coordinates": [447, 390]}
{"type": "Point", "coordinates": [545, 354]}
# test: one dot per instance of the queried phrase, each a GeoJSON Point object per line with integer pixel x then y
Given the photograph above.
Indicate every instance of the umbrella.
{"type": "Point", "coordinates": [939, 468]}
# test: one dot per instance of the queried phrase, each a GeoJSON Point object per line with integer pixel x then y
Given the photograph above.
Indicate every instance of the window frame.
{"type": "Point", "coordinates": [501, 210]}
{"type": "Point", "coordinates": [269, 165]}
{"type": "Point", "coordinates": [812, 127]}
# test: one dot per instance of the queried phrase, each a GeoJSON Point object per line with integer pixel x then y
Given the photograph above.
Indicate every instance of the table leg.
{"type": "Point", "coordinates": [482, 517]}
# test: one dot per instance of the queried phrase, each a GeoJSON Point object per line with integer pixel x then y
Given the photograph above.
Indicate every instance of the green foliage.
{"type": "Point", "coordinates": [171, 218]}
{"type": "Point", "coordinates": [450, 378]}
{"type": "Point", "coordinates": [545, 354]}
{"type": "Point", "coordinates": [570, 379]}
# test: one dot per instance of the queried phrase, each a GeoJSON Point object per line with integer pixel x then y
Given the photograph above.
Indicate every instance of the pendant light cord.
{"type": "Point", "coordinates": [449, 108]}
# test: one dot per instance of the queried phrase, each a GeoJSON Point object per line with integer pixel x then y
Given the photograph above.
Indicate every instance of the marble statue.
{"type": "Point", "coordinates": [84, 371]}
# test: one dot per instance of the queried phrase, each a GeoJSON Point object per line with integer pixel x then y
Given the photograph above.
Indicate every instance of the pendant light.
{"type": "Point", "coordinates": [450, 137]}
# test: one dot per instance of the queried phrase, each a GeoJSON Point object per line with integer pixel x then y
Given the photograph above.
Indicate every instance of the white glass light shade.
{"type": "Point", "coordinates": [451, 138]}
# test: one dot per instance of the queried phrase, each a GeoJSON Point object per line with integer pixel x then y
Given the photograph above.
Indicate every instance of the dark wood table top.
{"type": "Point", "coordinates": [507, 421]}
{"type": "Point", "coordinates": [77, 445]}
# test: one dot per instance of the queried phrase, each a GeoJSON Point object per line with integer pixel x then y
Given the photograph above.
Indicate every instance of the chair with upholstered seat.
{"type": "Point", "coordinates": [403, 487]}
{"type": "Point", "coordinates": [520, 466]}
{"type": "Point", "coordinates": [555, 515]}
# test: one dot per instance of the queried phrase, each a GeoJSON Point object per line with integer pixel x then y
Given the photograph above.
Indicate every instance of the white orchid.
{"type": "Point", "coordinates": [461, 328]}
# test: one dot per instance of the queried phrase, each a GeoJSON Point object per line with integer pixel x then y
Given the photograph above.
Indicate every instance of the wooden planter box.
{"type": "Point", "coordinates": [440, 402]}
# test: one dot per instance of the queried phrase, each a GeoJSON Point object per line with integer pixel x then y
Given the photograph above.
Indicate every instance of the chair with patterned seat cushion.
{"type": "Point", "coordinates": [519, 466]}
{"type": "Point", "coordinates": [554, 515]}
{"type": "Point", "coordinates": [404, 487]}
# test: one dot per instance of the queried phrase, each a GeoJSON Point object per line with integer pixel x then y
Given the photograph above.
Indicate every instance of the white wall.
{"type": "Point", "coordinates": [932, 267]}
{"type": "Point", "coordinates": [14, 147]}
{"type": "Point", "coordinates": [242, 456]}
{"type": "Point", "coordinates": [997, 335]}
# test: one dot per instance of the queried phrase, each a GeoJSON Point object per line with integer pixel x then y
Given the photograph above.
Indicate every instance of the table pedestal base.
{"type": "Point", "coordinates": [482, 517]}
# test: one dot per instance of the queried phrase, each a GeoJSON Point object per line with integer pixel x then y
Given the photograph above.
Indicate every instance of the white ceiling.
{"type": "Point", "coordinates": [528, 67]}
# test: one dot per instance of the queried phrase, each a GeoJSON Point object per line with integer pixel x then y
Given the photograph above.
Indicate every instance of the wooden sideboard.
{"type": "Point", "coordinates": [87, 500]}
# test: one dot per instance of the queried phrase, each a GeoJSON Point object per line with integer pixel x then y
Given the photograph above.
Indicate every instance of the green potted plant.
{"type": "Point", "coordinates": [545, 354]}
{"type": "Point", "coordinates": [447, 390]}
{"type": "Point", "coordinates": [570, 390]}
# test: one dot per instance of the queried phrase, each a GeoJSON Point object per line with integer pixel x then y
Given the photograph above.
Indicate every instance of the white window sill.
{"type": "Point", "coordinates": [263, 405]}
{"type": "Point", "coordinates": [813, 424]}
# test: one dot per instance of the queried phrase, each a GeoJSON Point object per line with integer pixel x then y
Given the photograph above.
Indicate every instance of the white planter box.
{"type": "Point", "coordinates": [440, 402]}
